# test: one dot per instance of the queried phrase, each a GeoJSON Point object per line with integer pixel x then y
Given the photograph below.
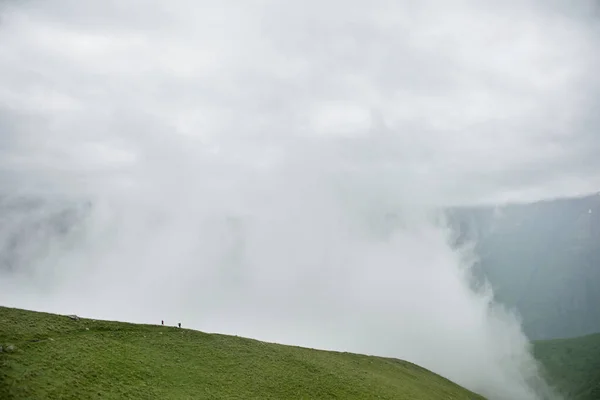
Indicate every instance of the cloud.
{"type": "Point", "coordinates": [239, 160]}
{"type": "Point", "coordinates": [470, 93]}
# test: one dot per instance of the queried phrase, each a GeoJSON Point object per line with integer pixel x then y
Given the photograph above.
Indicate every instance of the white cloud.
{"type": "Point", "coordinates": [467, 86]}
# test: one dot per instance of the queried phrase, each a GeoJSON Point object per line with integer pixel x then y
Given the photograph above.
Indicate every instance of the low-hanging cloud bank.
{"type": "Point", "coordinates": [276, 171]}
{"type": "Point", "coordinates": [285, 259]}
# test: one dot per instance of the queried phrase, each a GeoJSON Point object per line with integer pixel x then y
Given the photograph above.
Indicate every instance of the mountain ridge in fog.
{"type": "Point", "coordinates": [542, 259]}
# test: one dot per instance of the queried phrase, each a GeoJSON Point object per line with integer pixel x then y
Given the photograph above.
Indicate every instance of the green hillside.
{"type": "Point", "coordinates": [57, 357]}
{"type": "Point", "coordinates": [572, 365]}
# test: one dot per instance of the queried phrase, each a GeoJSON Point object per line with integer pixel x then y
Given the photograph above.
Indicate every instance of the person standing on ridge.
{"type": "Point", "coordinates": [162, 321]}
{"type": "Point", "coordinates": [179, 324]}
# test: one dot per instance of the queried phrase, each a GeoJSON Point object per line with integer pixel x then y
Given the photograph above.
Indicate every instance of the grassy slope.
{"type": "Point", "coordinates": [57, 357]}
{"type": "Point", "coordinates": [573, 365]}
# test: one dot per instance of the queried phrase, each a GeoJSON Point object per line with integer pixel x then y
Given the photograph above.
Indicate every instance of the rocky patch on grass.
{"type": "Point", "coordinates": [9, 348]}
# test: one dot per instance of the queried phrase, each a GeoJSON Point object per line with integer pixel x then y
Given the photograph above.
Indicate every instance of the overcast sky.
{"type": "Point", "coordinates": [458, 101]}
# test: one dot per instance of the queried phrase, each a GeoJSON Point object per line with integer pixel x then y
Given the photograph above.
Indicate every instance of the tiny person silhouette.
{"type": "Point", "coordinates": [179, 324]}
{"type": "Point", "coordinates": [162, 321]}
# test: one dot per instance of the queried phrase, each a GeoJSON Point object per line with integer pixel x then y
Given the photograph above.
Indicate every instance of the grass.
{"type": "Point", "coordinates": [572, 365]}
{"type": "Point", "coordinates": [56, 357]}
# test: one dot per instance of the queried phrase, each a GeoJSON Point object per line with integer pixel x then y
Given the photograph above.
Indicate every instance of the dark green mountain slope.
{"type": "Point", "coordinates": [572, 365]}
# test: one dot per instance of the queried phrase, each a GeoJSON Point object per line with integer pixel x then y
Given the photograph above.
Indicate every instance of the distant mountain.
{"type": "Point", "coordinates": [28, 226]}
{"type": "Point", "coordinates": [542, 259]}
{"type": "Point", "coordinates": [572, 366]}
